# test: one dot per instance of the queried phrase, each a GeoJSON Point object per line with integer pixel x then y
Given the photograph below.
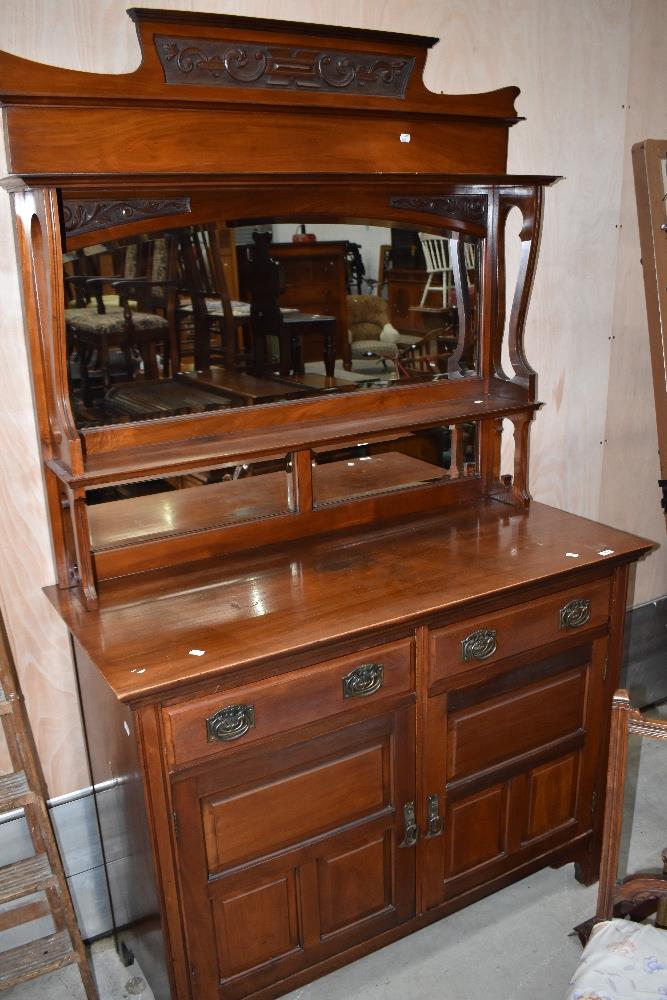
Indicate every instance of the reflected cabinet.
{"type": "Point", "coordinates": [342, 675]}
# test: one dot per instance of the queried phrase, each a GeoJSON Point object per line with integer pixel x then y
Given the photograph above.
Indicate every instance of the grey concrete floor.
{"type": "Point", "coordinates": [114, 981]}
{"type": "Point", "coordinates": [514, 945]}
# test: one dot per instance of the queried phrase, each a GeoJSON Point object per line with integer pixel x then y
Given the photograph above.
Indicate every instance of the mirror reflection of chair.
{"type": "Point", "coordinates": [207, 298]}
{"type": "Point", "coordinates": [431, 355]}
{"type": "Point", "coordinates": [627, 953]}
{"type": "Point", "coordinates": [137, 317]}
{"type": "Point", "coordinates": [370, 332]}
{"type": "Point", "coordinates": [439, 268]}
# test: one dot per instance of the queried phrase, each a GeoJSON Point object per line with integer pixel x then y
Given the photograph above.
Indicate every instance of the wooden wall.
{"type": "Point", "coordinates": [593, 78]}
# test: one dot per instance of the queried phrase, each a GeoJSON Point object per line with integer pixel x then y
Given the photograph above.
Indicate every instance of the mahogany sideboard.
{"type": "Point", "coordinates": [340, 674]}
{"type": "Point", "coordinates": [411, 718]}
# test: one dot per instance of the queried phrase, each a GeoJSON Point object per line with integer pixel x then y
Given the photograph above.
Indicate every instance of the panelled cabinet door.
{"type": "Point", "coordinates": [287, 858]}
{"type": "Point", "coordinates": [516, 759]}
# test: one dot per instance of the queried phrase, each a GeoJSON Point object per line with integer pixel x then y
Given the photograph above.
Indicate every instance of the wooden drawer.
{"type": "Point", "coordinates": [461, 647]}
{"type": "Point", "coordinates": [244, 715]}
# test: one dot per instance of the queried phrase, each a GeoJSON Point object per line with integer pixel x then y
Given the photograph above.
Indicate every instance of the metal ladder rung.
{"type": "Point", "coordinates": [35, 959]}
{"type": "Point", "coordinates": [14, 791]}
{"type": "Point", "coordinates": [22, 878]}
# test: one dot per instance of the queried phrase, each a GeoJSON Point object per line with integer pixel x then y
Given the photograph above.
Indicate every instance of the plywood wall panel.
{"type": "Point", "coordinates": [39, 640]}
{"type": "Point", "coordinates": [572, 61]}
{"type": "Point", "coordinates": [630, 494]}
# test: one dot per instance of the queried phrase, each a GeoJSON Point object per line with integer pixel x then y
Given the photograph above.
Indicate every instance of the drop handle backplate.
{"type": "Point", "coordinates": [575, 613]}
{"type": "Point", "coordinates": [230, 723]}
{"type": "Point", "coordinates": [434, 823]}
{"type": "Point", "coordinates": [363, 680]}
{"type": "Point", "coordinates": [479, 645]}
{"type": "Point", "coordinates": [411, 830]}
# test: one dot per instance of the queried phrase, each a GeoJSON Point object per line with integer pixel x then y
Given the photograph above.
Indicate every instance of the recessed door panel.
{"type": "Point", "coordinates": [355, 883]}
{"type": "Point", "coordinates": [299, 805]}
{"type": "Point", "coordinates": [257, 924]}
{"type": "Point", "coordinates": [477, 830]}
{"type": "Point", "coordinates": [552, 797]}
{"type": "Point", "coordinates": [495, 729]}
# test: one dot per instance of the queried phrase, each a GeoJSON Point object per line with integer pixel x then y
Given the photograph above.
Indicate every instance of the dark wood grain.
{"type": "Point", "coordinates": [327, 589]}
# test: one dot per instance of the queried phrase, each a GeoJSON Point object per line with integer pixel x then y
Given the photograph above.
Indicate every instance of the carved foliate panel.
{"type": "Point", "coordinates": [469, 208]}
{"type": "Point", "coordinates": [87, 215]}
{"type": "Point", "coordinates": [214, 63]}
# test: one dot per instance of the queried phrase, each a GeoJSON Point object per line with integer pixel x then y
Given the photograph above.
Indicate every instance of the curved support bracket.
{"type": "Point", "coordinates": [514, 489]}
{"type": "Point", "coordinates": [40, 263]}
{"type": "Point", "coordinates": [529, 201]}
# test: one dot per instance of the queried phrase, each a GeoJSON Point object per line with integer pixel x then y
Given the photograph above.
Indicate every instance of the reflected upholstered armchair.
{"type": "Point", "coordinates": [370, 332]}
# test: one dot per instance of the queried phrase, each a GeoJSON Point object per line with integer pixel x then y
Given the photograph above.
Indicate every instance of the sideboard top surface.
{"type": "Point", "coordinates": [171, 628]}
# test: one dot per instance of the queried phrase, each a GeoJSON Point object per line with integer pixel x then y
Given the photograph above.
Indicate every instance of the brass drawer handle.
{"type": "Point", "coordinates": [433, 817]}
{"type": "Point", "coordinates": [230, 723]}
{"type": "Point", "coordinates": [479, 645]}
{"type": "Point", "coordinates": [575, 613]}
{"type": "Point", "coordinates": [363, 680]}
{"type": "Point", "coordinates": [411, 830]}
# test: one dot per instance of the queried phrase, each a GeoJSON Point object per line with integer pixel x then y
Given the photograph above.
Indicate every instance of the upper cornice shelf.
{"type": "Point", "coordinates": [197, 67]}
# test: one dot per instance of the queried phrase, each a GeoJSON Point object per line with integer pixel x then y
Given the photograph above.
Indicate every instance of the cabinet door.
{"type": "Point", "coordinates": [290, 856]}
{"type": "Point", "coordinates": [516, 758]}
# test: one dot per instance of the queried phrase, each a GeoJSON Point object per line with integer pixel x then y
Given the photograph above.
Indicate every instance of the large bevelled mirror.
{"type": "Point", "coordinates": [215, 316]}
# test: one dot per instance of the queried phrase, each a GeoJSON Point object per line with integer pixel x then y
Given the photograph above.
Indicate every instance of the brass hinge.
{"type": "Point", "coordinates": [594, 801]}
{"type": "Point", "coordinates": [604, 669]}
{"type": "Point", "coordinates": [177, 829]}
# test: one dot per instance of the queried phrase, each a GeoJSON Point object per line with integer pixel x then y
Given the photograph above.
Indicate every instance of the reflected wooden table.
{"type": "Point", "coordinates": [294, 327]}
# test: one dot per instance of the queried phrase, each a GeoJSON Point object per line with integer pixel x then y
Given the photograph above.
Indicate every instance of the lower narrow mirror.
{"type": "Point", "coordinates": [397, 461]}
{"type": "Point", "coordinates": [140, 512]}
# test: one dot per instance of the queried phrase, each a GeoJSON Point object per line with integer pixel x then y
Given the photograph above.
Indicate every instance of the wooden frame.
{"type": "Point", "coordinates": [649, 160]}
{"type": "Point", "coordinates": [620, 898]}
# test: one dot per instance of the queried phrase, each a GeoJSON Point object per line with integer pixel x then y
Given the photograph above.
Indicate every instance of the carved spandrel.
{"type": "Point", "coordinates": [468, 208]}
{"type": "Point", "coordinates": [213, 63]}
{"type": "Point", "coordinates": [87, 215]}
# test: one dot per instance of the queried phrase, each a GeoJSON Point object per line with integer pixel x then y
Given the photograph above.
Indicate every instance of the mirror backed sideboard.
{"type": "Point", "coordinates": [344, 675]}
